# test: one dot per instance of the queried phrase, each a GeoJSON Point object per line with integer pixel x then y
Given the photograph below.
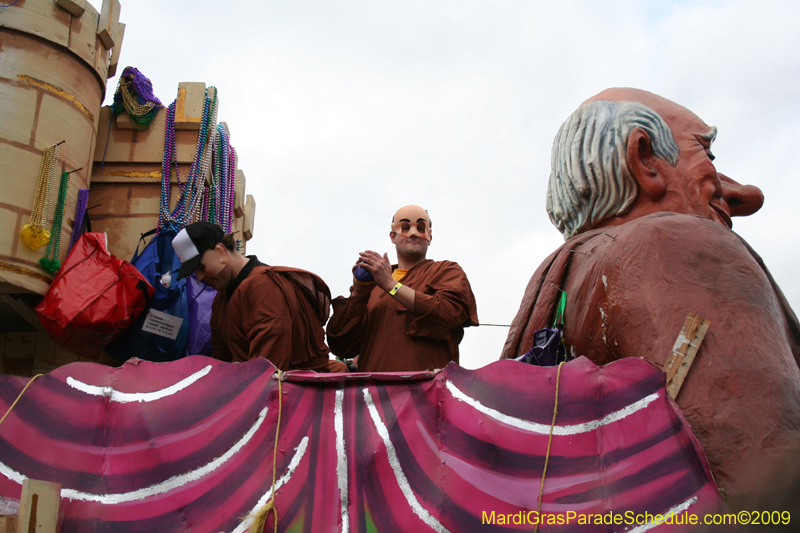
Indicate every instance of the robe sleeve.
{"type": "Point", "coordinates": [219, 349]}
{"type": "Point", "coordinates": [445, 303]}
{"type": "Point", "coordinates": [346, 326]}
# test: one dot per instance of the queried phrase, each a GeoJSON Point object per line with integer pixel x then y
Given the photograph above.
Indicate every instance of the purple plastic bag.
{"type": "Point", "coordinates": [200, 297]}
{"type": "Point", "coordinates": [548, 348]}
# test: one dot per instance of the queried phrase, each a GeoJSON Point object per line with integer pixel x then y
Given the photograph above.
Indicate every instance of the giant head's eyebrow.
{"type": "Point", "coordinates": [707, 138]}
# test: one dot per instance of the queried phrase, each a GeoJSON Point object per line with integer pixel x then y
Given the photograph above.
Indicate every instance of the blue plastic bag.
{"type": "Point", "coordinates": [159, 264]}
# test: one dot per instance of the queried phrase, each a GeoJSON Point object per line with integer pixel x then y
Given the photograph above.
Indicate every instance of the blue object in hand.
{"type": "Point", "coordinates": [363, 275]}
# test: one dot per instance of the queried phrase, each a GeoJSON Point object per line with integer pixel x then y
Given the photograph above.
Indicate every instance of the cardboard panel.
{"type": "Point", "coordinates": [41, 18]}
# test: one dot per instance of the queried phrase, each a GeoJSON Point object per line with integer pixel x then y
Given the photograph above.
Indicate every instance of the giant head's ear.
{"type": "Point", "coordinates": [644, 165]}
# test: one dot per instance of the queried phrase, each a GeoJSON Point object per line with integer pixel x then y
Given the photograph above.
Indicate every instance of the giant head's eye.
{"type": "Point", "coordinates": [421, 227]}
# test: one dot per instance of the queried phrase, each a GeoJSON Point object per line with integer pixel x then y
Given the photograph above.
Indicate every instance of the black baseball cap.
{"type": "Point", "coordinates": [192, 242]}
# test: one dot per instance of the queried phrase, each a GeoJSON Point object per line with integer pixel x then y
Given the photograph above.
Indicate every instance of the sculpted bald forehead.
{"type": "Point", "coordinates": [667, 109]}
{"type": "Point", "coordinates": [411, 213]}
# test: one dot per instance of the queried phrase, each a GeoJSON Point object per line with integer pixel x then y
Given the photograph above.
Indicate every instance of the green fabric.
{"type": "Point", "coordinates": [562, 305]}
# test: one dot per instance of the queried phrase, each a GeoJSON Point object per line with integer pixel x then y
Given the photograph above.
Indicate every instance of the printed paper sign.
{"type": "Point", "coordinates": [162, 324]}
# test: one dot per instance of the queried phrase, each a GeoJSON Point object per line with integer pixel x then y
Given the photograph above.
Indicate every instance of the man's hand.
{"type": "Point", "coordinates": [359, 289]}
{"type": "Point", "coordinates": [379, 267]}
{"type": "Point", "coordinates": [381, 271]}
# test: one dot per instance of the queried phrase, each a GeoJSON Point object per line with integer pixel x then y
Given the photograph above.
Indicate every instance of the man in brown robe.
{"type": "Point", "coordinates": [414, 325]}
{"type": "Point", "coordinates": [259, 311]}
{"type": "Point", "coordinates": [647, 220]}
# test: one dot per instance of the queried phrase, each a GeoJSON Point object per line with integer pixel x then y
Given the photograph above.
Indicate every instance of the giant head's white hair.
{"type": "Point", "coordinates": [589, 177]}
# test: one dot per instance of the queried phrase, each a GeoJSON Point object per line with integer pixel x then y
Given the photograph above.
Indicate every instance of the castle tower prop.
{"type": "Point", "coordinates": [55, 60]}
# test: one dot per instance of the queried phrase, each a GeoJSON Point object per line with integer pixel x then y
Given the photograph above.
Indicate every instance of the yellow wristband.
{"type": "Point", "coordinates": [395, 289]}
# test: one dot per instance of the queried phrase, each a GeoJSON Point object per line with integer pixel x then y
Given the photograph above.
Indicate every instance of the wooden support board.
{"type": "Point", "coordinates": [249, 217]}
{"type": "Point", "coordinates": [38, 507]}
{"type": "Point", "coordinates": [8, 524]}
{"type": "Point", "coordinates": [684, 351]}
{"type": "Point", "coordinates": [74, 7]}
{"type": "Point", "coordinates": [23, 310]}
{"type": "Point", "coordinates": [115, 53]}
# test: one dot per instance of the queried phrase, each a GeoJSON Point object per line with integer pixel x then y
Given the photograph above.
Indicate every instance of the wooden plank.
{"type": "Point", "coordinates": [41, 18]}
{"type": "Point", "coordinates": [82, 30]}
{"type": "Point", "coordinates": [23, 310]}
{"type": "Point", "coordinates": [189, 105]}
{"type": "Point", "coordinates": [45, 351]}
{"type": "Point", "coordinates": [249, 217]}
{"type": "Point", "coordinates": [74, 7]}
{"type": "Point", "coordinates": [8, 524]}
{"type": "Point", "coordinates": [684, 352]}
{"type": "Point", "coordinates": [238, 194]}
{"type": "Point", "coordinates": [107, 26]}
{"type": "Point", "coordinates": [38, 506]}
{"type": "Point", "coordinates": [20, 345]}
{"type": "Point", "coordinates": [115, 53]}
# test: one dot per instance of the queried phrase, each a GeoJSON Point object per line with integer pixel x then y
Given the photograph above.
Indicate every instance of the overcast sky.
{"type": "Point", "coordinates": [343, 111]}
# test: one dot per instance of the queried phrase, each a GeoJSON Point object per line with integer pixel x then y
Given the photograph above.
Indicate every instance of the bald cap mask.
{"type": "Point", "coordinates": [412, 220]}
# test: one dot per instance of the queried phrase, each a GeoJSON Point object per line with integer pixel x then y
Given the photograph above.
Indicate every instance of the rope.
{"type": "Point", "coordinates": [23, 392]}
{"type": "Point", "coordinates": [9, 5]}
{"type": "Point", "coordinates": [549, 442]}
{"type": "Point", "coordinates": [260, 518]}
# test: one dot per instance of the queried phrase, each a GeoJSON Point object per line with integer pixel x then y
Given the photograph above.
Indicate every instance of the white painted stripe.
{"type": "Point", "coordinates": [293, 464]}
{"type": "Point", "coordinates": [341, 459]}
{"type": "Point", "coordinates": [544, 429]}
{"type": "Point", "coordinates": [678, 509]}
{"type": "Point", "coordinates": [127, 397]}
{"type": "Point", "coordinates": [394, 462]}
{"type": "Point", "coordinates": [171, 483]}
{"type": "Point", "coordinates": [11, 474]}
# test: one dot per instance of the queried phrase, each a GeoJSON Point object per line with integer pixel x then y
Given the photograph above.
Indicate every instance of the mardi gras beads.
{"type": "Point", "coordinates": [189, 206]}
{"type": "Point", "coordinates": [51, 264]}
{"type": "Point", "coordinates": [135, 96]}
{"type": "Point", "coordinates": [166, 168]}
{"type": "Point", "coordinates": [80, 212]}
{"type": "Point", "coordinates": [34, 234]}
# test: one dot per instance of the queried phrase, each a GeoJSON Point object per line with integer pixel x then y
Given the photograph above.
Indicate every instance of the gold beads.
{"type": "Point", "coordinates": [34, 236]}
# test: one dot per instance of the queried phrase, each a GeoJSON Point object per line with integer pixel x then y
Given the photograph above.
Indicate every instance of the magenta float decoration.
{"type": "Point", "coordinates": [188, 446]}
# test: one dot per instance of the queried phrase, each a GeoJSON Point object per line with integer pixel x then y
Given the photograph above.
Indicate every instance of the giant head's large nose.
{"type": "Point", "coordinates": [742, 200]}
